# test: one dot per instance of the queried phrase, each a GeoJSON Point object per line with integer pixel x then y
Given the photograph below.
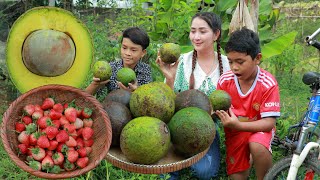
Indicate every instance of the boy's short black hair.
{"type": "Point", "coordinates": [244, 41]}
{"type": "Point", "coordinates": [137, 36]}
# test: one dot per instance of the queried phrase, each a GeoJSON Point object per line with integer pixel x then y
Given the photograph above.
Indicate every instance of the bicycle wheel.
{"type": "Point", "coordinates": [281, 168]}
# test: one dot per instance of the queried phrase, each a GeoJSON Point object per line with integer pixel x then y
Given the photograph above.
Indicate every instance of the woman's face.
{"type": "Point", "coordinates": [131, 53]}
{"type": "Point", "coordinates": [201, 35]}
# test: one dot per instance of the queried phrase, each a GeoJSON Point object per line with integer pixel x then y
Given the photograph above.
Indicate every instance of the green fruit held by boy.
{"type": "Point", "coordinates": [220, 100]}
{"type": "Point", "coordinates": [126, 76]}
{"type": "Point", "coordinates": [102, 70]}
{"type": "Point", "coordinates": [169, 52]}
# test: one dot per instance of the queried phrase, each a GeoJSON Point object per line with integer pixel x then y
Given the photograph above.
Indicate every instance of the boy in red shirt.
{"type": "Point", "coordinates": [249, 124]}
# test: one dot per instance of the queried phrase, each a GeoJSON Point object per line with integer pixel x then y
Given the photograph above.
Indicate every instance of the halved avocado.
{"type": "Point", "coordinates": [48, 45]}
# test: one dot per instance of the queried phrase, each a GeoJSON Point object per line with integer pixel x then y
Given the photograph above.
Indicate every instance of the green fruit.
{"type": "Point", "coordinates": [169, 52]}
{"type": "Point", "coordinates": [126, 76]}
{"type": "Point", "coordinates": [48, 45]}
{"type": "Point", "coordinates": [220, 100]}
{"type": "Point", "coordinates": [155, 99]}
{"type": "Point", "coordinates": [102, 70]}
{"type": "Point", "coordinates": [145, 140]}
{"type": "Point", "coordinates": [192, 131]}
{"type": "Point", "coordinates": [193, 98]}
{"type": "Point", "coordinates": [119, 116]}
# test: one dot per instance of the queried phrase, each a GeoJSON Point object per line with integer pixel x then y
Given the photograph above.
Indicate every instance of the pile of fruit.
{"type": "Point", "coordinates": [55, 136]}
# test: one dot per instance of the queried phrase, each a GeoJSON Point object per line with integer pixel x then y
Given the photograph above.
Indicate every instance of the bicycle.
{"type": "Point", "coordinates": [304, 140]}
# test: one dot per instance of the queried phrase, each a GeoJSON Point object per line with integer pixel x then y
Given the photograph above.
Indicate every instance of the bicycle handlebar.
{"type": "Point", "coordinates": [310, 41]}
{"type": "Point", "coordinates": [310, 38]}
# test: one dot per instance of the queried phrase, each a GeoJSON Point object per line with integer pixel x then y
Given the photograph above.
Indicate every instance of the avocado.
{"type": "Point", "coordinates": [192, 98]}
{"type": "Point", "coordinates": [192, 131]}
{"type": "Point", "coordinates": [145, 140]}
{"type": "Point", "coordinates": [48, 45]}
{"type": "Point", "coordinates": [119, 95]}
{"type": "Point", "coordinates": [169, 52]}
{"type": "Point", "coordinates": [220, 100]}
{"type": "Point", "coordinates": [102, 69]}
{"type": "Point", "coordinates": [155, 99]}
{"type": "Point", "coordinates": [119, 116]}
{"type": "Point", "coordinates": [126, 76]}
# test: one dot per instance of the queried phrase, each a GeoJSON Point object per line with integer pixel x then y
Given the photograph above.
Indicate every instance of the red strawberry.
{"type": "Point", "coordinates": [54, 114]}
{"type": "Point", "coordinates": [65, 105]}
{"type": "Point", "coordinates": [20, 127]}
{"type": "Point", "coordinates": [23, 148]}
{"type": "Point", "coordinates": [82, 152]}
{"type": "Point", "coordinates": [82, 162]}
{"type": "Point", "coordinates": [36, 165]}
{"type": "Point", "coordinates": [36, 115]}
{"type": "Point", "coordinates": [23, 138]}
{"type": "Point", "coordinates": [53, 145]}
{"type": "Point", "coordinates": [37, 107]}
{"type": "Point", "coordinates": [55, 169]}
{"type": "Point", "coordinates": [51, 132]}
{"type": "Point", "coordinates": [71, 114]}
{"type": "Point", "coordinates": [38, 153]}
{"type": "Point", "coordinates": [62, 147]}
{"type": "Point", "coordinates": [26, 120]}
{"type": "Point", "coordinates": [58, 107]}
{"type": "Point", "coordinates": [72, 156]}
{"type": "Point", "coordinates": [31, 128]}
{"type": "Point", "coordinates": [88, 143]}
{"type": "Point", "coordinates": [28, 109]}
{"type": "Point", "coordinates": [87, 133]}
{"type": "Point", "coordinates": [80, 142]}
{"type": "Point", "coordinates": [44, 122]}
{"type": "Point", "coordinates": [33, 138]}
{"type": "Point", "coordinates": [43, 142]}
{"type": "Point", "coordinates": [89, 150]}
{"type": "Point", "coordinates": [47, 163]}
{"type": "Point", "coordinates": [47, 103]}
{"type": "Point", "coordinates": [56, 123]}
{"type": "Point", "coordinates": [49, 153]}
{"type": "Point", "coordinates": [79, 111]}
{"type": "Point", "coordinates": [29, 153]}
{"type": "Point", "coordinates": [68, 166]}
{"type": "Point", "coordinates": [70, 128]}
{"type": "Point", "coordinates": [79, 132]}
{"type": "Point", "coordinates": [58, 158]}
{"type": "Point", "coordinates": [71, 142]}
{"type": "Point", "coordinates": [62, 136]}
{"type": "Point", "coordinates": [87, 122]}
{"type": "Point", "coordinates": [63, 120]}
{"type": "Point", "coordinates": [86, 112]}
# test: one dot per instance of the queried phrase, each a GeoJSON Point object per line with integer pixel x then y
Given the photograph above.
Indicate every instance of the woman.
{"type": "Point", "coordinates": [200, 69]}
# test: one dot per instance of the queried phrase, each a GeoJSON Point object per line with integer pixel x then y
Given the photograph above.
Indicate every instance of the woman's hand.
{"type": "Point", "coordinates": [168, 70]}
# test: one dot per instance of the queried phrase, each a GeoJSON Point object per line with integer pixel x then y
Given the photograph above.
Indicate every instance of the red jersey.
{"type": "Point", "coordinates": [262, 100]}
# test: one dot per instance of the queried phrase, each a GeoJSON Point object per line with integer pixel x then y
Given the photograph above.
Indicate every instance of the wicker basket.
{"type": "Point", "coordinates": [102, 127]}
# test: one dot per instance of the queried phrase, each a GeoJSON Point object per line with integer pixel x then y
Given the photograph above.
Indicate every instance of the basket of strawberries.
{"type": "Point", "coordinates": [56, 132]}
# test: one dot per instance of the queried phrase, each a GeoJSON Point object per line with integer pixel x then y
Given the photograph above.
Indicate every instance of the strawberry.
{"type": "Point", "coordinates": [36, 115]}
{"type": "Point", "coordinates": [36, 165]}
{"type": "Point", "coordinates": [53, 145]}
{"type": "Point", "coordinates": [89, 150]}
{"type": "Point", "coordinates": [87, 122]}
{"type": "Point", "coordinates": [62, 136]}
{"type": "Point", "coordinates": [31, 128]}
{"type": "Point", "coordinates": [47, 103]}
{"type": "Point", "coordinates": [56, 123]}
{"type": "Point", "coordinates": [47, 163]}
{"type": "Point", "coordinates": [58, 158]}
{"type": "Point", "coordinates": [62, 147]}
{"type": "Point", "coordinates": [58, 107]}
{"type": "Point", "coordinates": [88, 143]}
{"type": "Point", "coordinates": [49, 153]}
{"type": "Point", "coordinates": [33, 138]}
{"type": "Point", "coordinates": [71, 114]}
{"type": "Point", "coordinates": [68, 166]}
{"type": "Point", "coordinates": [19, 126]}
{"type": "Point", "coordinates": [63, 120]}
{"type": "Point", "coordinates": [38, 153]}
{"type": "Point", "coordinates": [82, 162]}
{"type": "Point", "coordinates": [72, 156]}
{"type": "Point", "coordinates": [23, 138]}
{"type": "Point", "coordinates": [54, 114]}
{"type": "Point", "coordinates": [65, 106]}
{"type": "Point", "coordinates": [79, 123]}
{"type": "Point", "coordinates": [51, 132]}
{"type": "Point", "coordinates": [86, 112]}
{"type": "Point", "coordinates": [37, 107]}
{"type": "Point", "coordinates": [79, 132]}
{"type": "Point", "coordinates": [23, 148]}
{"type": "Point", "coordinates": [55, 169]}
{"type": "Point", "coordinates": [28, 109]}
{"type": "Point", "coordinates": [79, 111]}
{"type": "Point", "coordinates": [82, 152]}
{"type": "Point", "coordinates": [29, 153]}
{"type": "Point", "coordinates": [43, 142]}
{"type": "Point", "coordinates": [44, 121]}
{"type": "Point", "coordinates": [71, 142]}
{"type": "Point", "coordinates": [87, 133]}
{"type": "Point", "coordinates": [80, 142]}
{"type": "Point", "coordinates": [70, 128]}
{"type": "Point", "coordinates": [26, 120]}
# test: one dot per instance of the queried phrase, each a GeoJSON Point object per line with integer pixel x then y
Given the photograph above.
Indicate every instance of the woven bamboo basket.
{"type": "Point", "coordinates": [101, 126]}
{"type": "Point", "coordinates": [170, 163]}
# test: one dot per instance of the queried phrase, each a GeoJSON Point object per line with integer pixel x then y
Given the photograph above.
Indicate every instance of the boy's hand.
{"type": "Point", "coordinates": [228, 120]}
{"type": "Point", "coordinates": [97, 81]}
{"type": "Point", "coordinates": [131, 86]}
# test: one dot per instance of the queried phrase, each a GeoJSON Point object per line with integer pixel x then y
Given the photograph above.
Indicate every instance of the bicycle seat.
{"type": "Point", "coordinates": [310, 78]}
